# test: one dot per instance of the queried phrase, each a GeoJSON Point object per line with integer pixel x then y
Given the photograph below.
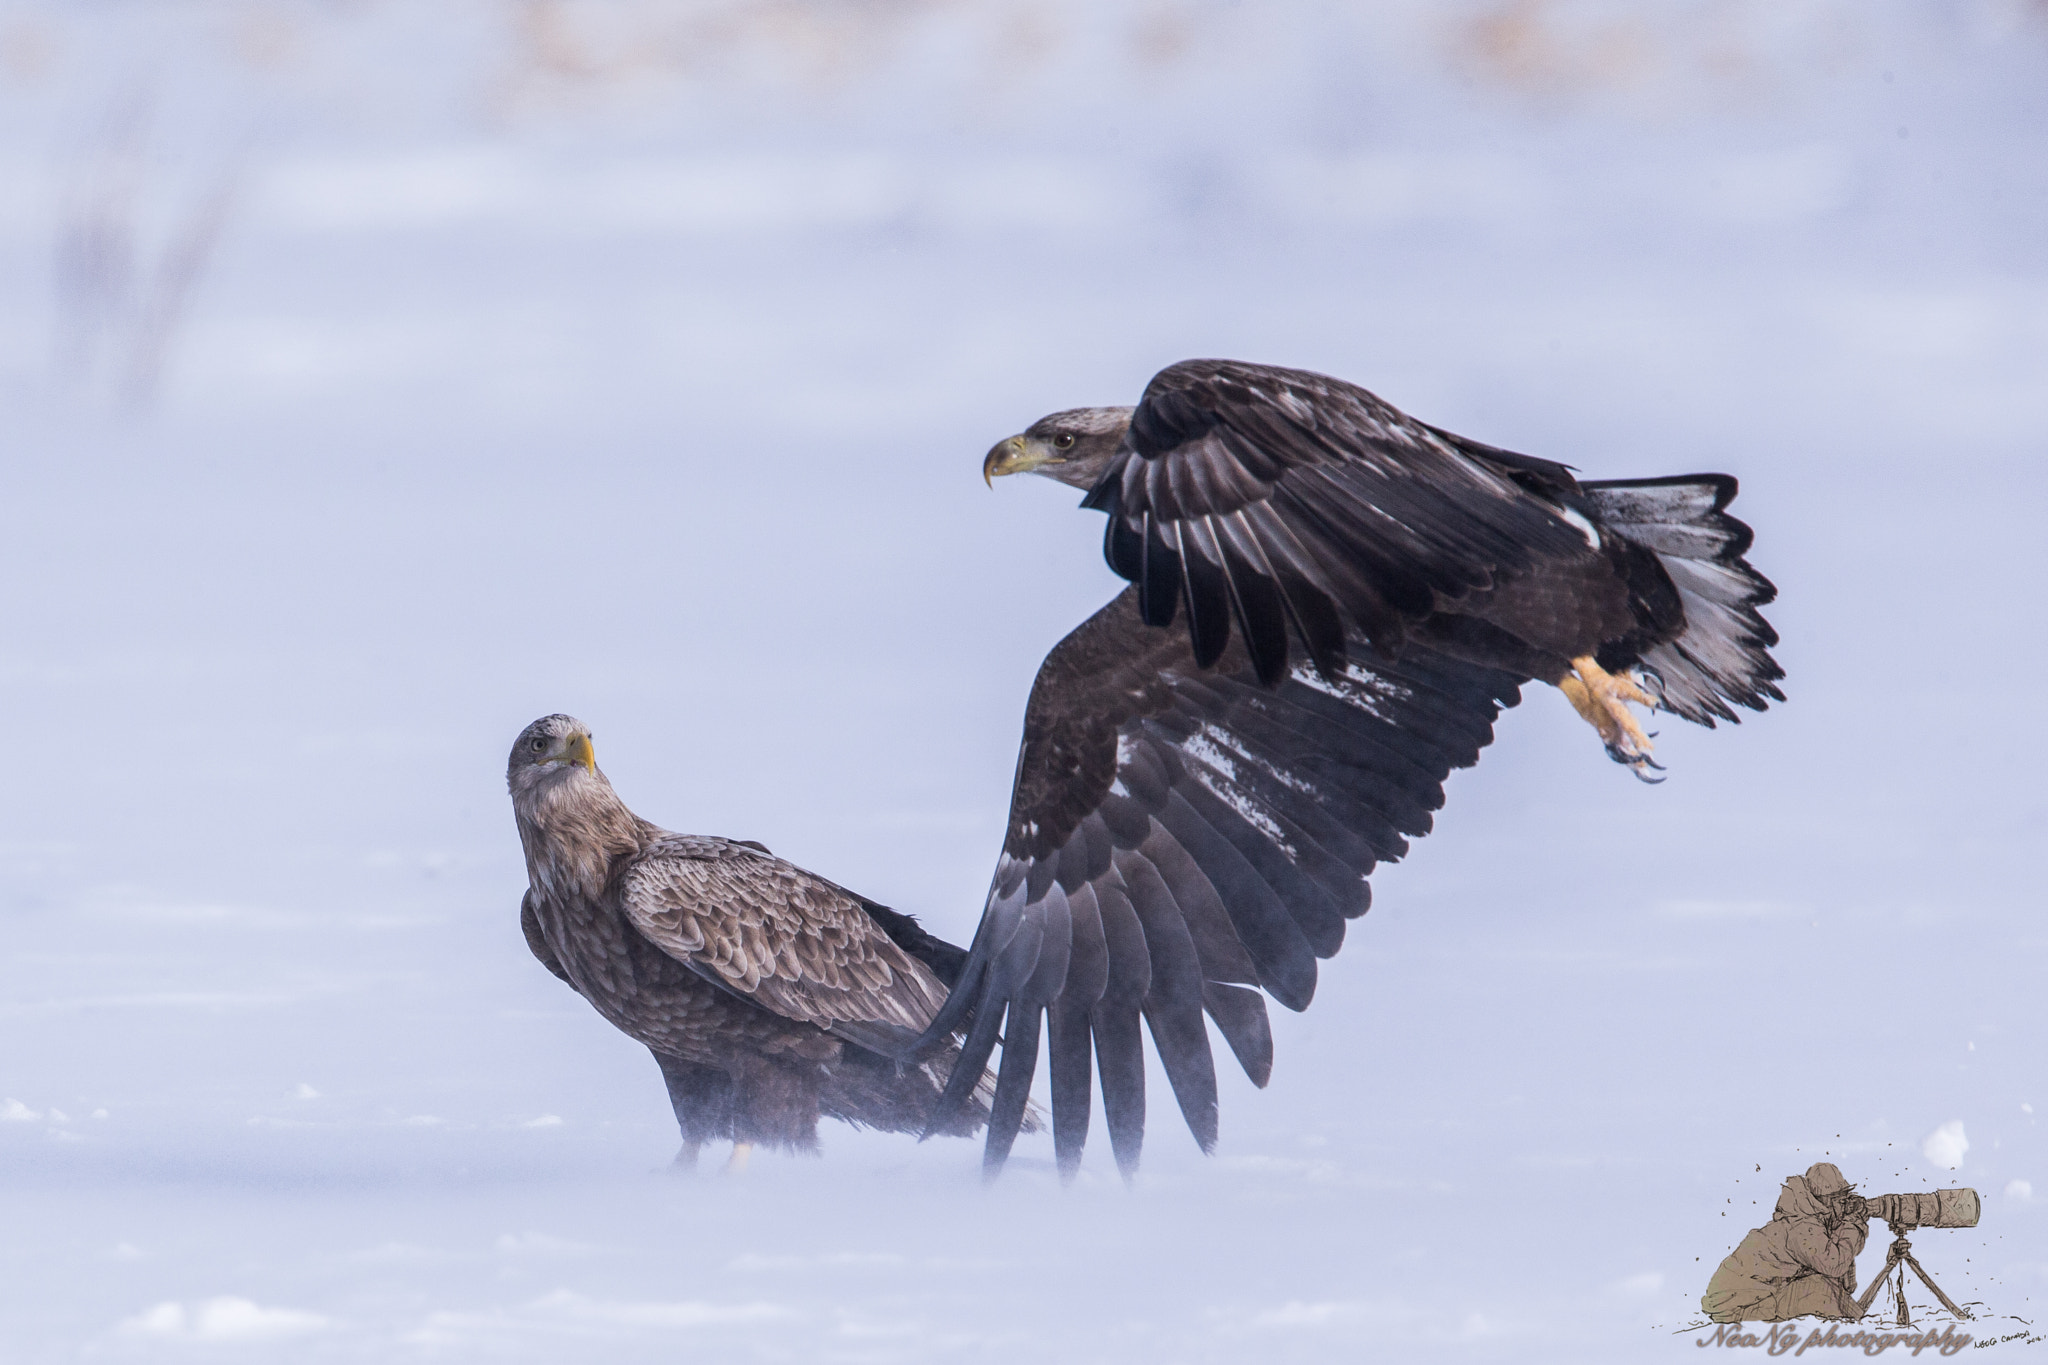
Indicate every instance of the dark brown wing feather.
{"type": "Point", "coordinates": [1180, 839]}
{"type": "Point", "coordinates": [793, 943]}
{"type": "Point", "coordinates": [1274, 500]}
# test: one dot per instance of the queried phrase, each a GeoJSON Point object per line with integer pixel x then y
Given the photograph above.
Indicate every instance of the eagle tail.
{"type": "Point", "coordinates": [870, 1090]}
{"type": "Point", "coordinates": [1723, 654]}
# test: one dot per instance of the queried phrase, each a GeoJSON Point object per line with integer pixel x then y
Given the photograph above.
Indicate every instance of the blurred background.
{"type": "Point", "coordinates": [377, 375]}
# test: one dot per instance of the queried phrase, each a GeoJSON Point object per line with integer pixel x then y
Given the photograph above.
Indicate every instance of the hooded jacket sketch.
{"type": "Point", "coordinates": [1802, 1262]}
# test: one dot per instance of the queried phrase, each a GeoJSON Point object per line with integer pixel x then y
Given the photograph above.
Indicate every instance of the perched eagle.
{"type": "Point", "coordinates": [1197, 807]}
{"type": "Point", "coordinates": [768, 996]}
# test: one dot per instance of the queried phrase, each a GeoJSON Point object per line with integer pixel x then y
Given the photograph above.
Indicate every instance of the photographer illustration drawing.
{"type": "Point", "coordinates": [1803, 1262]}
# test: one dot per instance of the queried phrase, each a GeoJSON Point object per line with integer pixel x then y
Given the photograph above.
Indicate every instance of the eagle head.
{"type": "Point", "coordinates": [553, 750]}
{"type": "Point", "coordinates": [1074, 447]}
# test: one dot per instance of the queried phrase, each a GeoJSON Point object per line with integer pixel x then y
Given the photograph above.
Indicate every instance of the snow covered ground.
{"type": "Point", "coordinates": [376, 377]}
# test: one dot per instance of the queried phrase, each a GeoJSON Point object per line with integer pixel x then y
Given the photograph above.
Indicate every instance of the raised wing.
{"type": "Point", "coordinates": [1180, 839]}
{"type": "Point", "coordinates": [767, 930]}
{"type": "Point", "coordinates": [1279, 499]}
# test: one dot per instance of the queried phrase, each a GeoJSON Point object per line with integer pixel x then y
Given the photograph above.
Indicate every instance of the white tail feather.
{"type": "Point", "coordinates": [1722, 656]}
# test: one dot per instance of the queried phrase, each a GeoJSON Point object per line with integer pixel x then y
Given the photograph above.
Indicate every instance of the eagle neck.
{"type": "Point", "coordinates": [575, 830]}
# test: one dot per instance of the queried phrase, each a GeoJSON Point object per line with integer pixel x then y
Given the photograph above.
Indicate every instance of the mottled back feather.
{"type": "Point", "coordinates": [765, 929]}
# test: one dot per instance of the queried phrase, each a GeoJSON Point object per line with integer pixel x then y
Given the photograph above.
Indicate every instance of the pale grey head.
{"type": "Point", "coordinates": [551, 751]}
{"type": "Point", "coordinates": [1074, 446]}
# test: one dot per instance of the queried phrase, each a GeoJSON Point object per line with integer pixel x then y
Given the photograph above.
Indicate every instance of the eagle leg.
{"type": "Point", "coordinates": [736, 1164]}
{"type": "Point", "coordinates": [1603, 698]}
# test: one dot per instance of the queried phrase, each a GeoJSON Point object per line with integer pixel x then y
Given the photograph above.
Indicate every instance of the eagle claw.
{"type": "Point", "coordinates": [1603, 699]}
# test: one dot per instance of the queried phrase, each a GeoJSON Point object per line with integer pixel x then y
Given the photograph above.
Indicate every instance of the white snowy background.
{"type": "Point", "coordinates": [377, 376]}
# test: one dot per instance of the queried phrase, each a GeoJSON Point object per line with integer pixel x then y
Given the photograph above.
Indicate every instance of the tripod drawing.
{"type": "Point", "coordinates": [1901, 1251]}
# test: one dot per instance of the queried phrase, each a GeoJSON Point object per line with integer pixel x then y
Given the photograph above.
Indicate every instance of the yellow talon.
{"type": "Point", "coordinates": [1603, 698]}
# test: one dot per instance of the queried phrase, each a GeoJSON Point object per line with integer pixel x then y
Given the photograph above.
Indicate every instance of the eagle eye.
{"type": "Point", "coordinates": [540, 746]}
{"type": "Point", "coordinates": [1063, 441]}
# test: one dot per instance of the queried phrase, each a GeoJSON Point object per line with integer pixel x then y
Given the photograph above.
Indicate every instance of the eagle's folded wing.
{"type": "Point", "coordinates": [769, 931]}
{"type": "Point", "coordinates": [537, 942]}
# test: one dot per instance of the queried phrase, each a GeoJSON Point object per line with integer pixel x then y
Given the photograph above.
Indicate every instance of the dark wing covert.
{"type": "Point", "coordinates": [1279, 499]}
{"type": "Point", "coordinates": [1180, 838]}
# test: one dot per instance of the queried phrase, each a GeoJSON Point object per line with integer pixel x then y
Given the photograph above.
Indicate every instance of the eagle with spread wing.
{"type": "Point", "coordinates": [1198, 806]}
{"type": "Point", "coordinates": [768, 995]}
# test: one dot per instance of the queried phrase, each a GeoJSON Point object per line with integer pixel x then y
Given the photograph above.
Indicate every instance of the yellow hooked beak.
{"type": "Point", "coordinates": [578, 750]}
{"type": "Point", "coordinates": [1017, 455]}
